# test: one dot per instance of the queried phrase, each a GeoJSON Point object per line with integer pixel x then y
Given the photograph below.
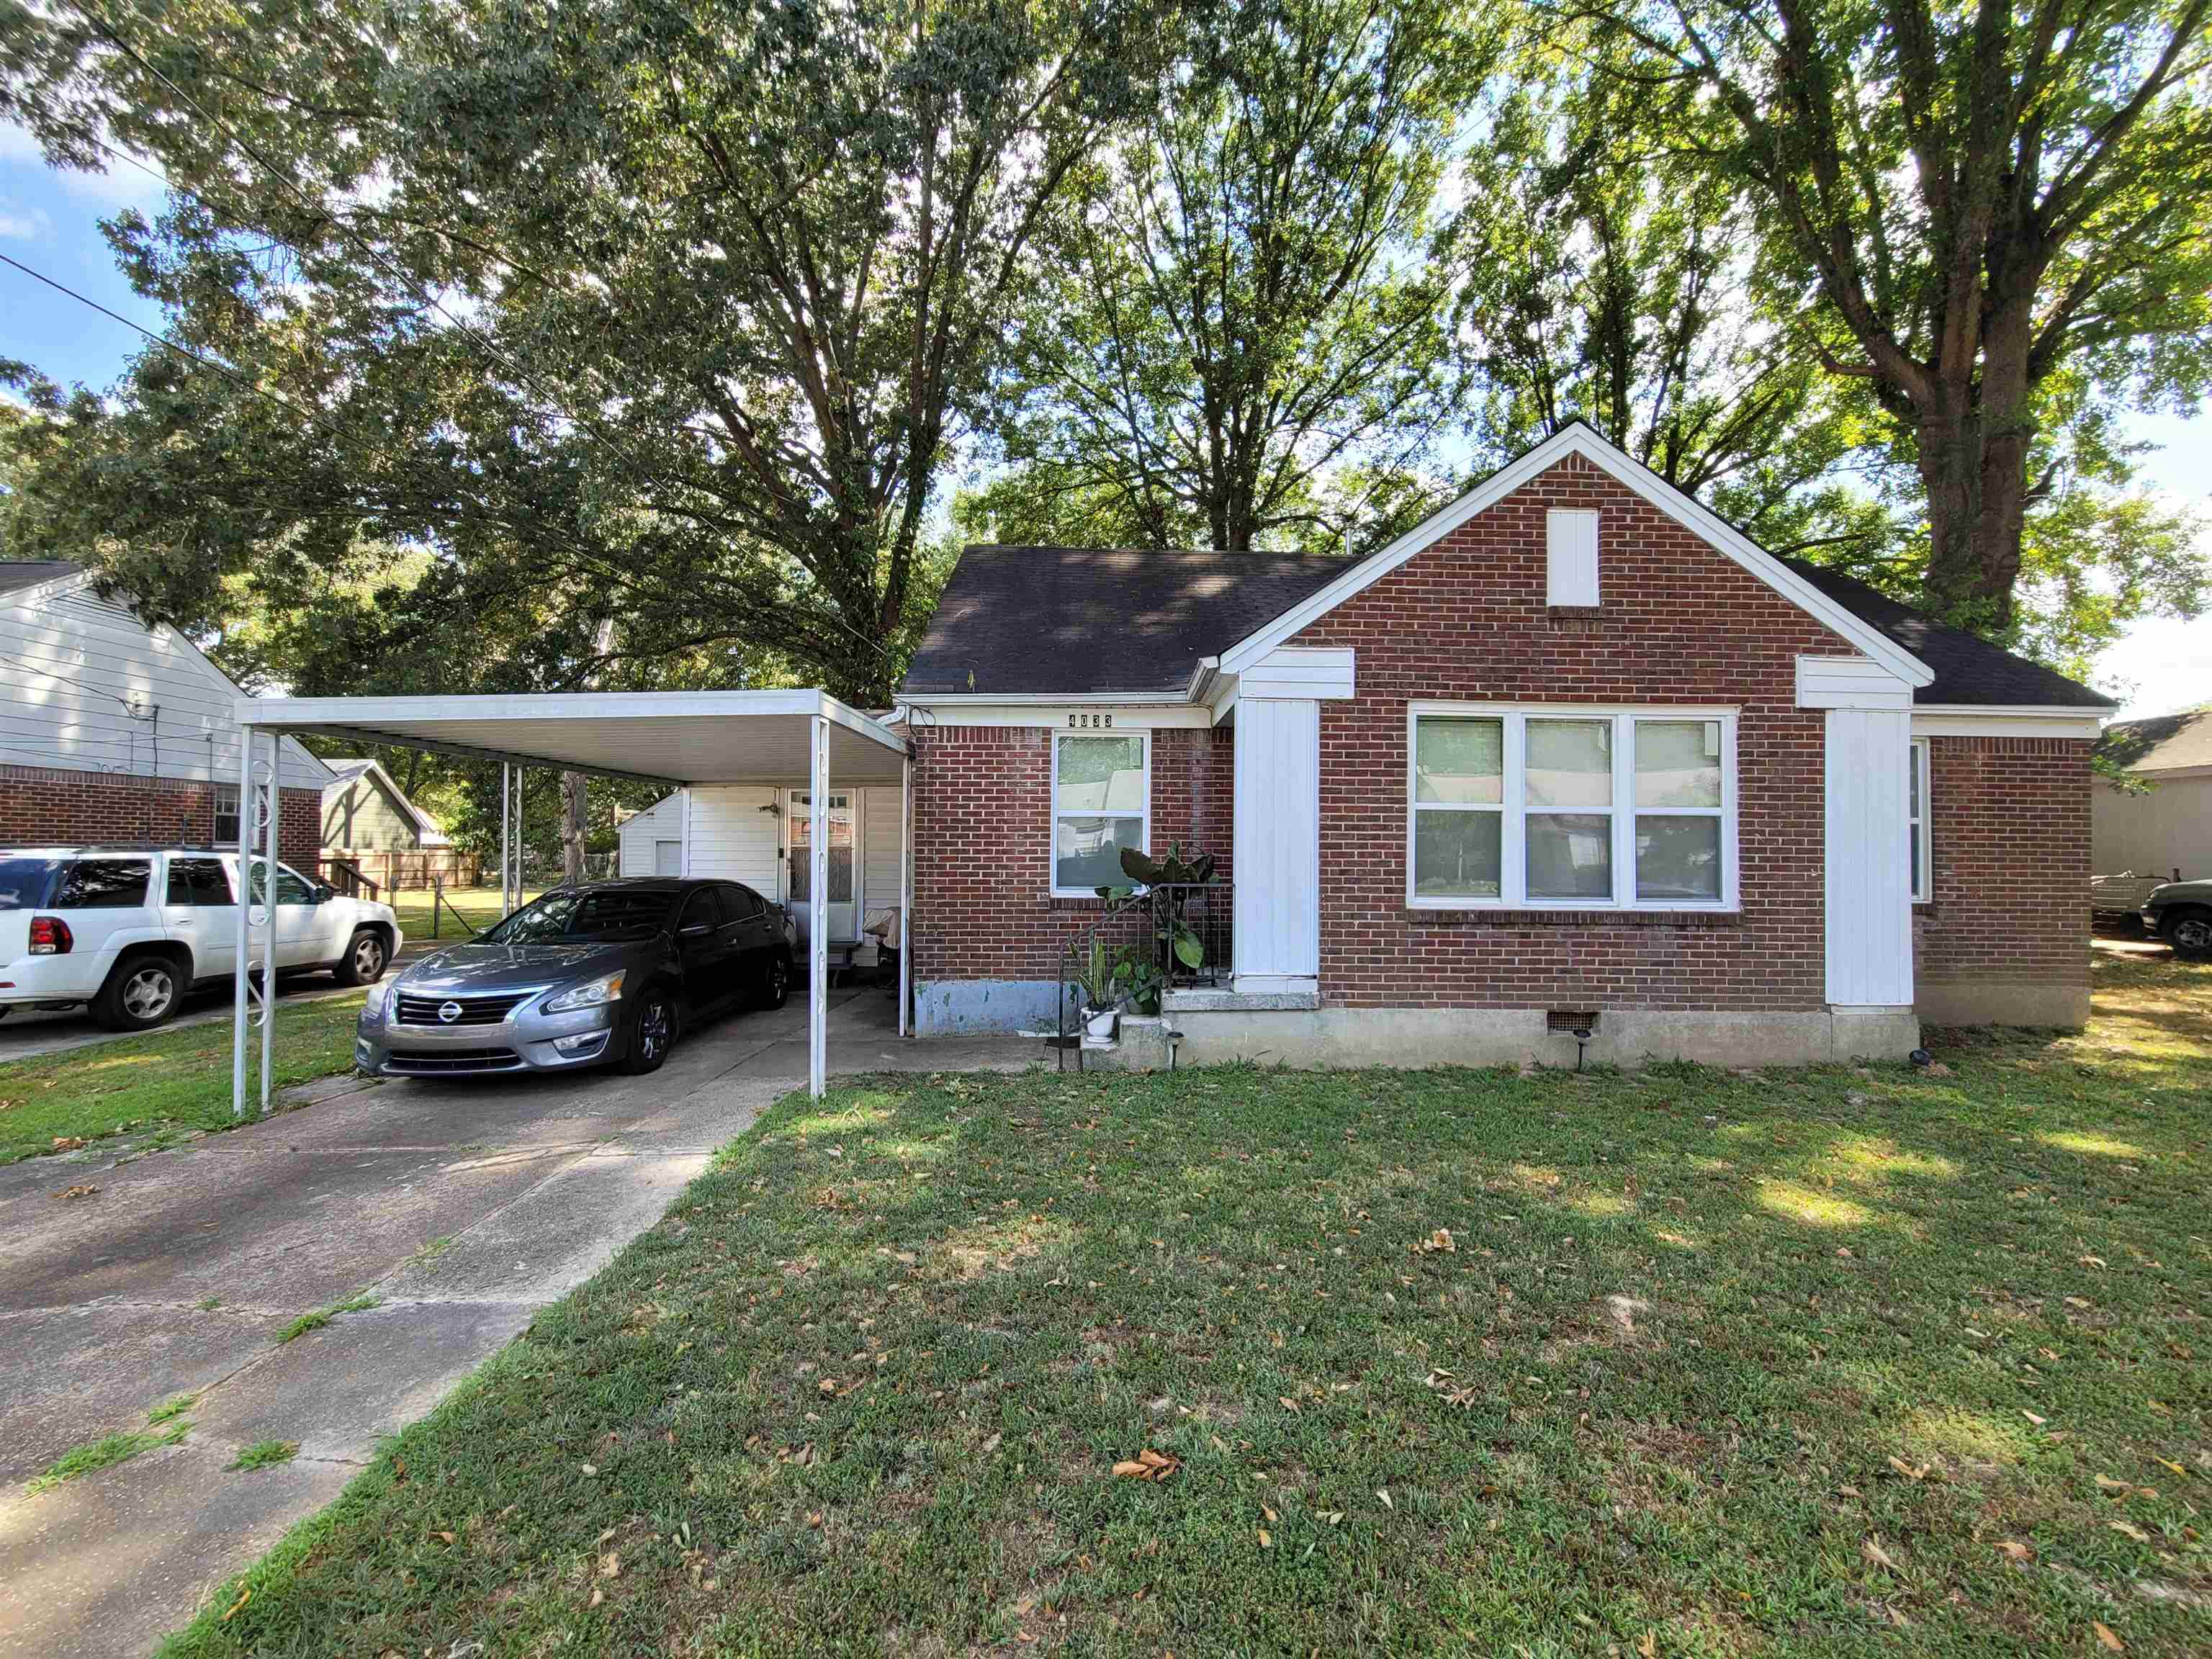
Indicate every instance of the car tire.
{"type": "Point", "coordinates": [2189, 932]}
{"type": "Point", "coordinates": [365, 960]}
{"type": "Point", "coordinates": [775, 981]}
{"type": "Point", "coordinates": [651, 1031]}
{"type": "Point", "coordinates": [142, 993]}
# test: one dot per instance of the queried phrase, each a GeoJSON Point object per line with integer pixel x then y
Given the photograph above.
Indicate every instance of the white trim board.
{"type": "Point", "coordinates": [1967, 720]}
{"type": "Point", "coordinates": [1579, 440]}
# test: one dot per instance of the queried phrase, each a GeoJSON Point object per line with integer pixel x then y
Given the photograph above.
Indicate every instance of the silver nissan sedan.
{"type": "Point", "coordinates": [604, 973]}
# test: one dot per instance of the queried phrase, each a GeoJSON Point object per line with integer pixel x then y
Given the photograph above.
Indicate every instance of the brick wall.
{"type": "Point", "coordinates": [42, 807]}
{"type": "Point", "coordinates": [1678, 623]}
{"type": "Point", "coordinates": [2009, 835]}
{"type": "Point", "coordinates": [982, 843]}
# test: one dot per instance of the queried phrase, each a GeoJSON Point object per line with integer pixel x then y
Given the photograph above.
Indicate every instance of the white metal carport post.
{"type": "Point", "coordinates": [818, 936]}
{"type": "Point", "coordinates": [240, 1012]}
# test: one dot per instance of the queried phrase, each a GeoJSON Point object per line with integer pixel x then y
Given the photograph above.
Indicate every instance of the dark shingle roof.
{"type": "Point", "coordinates": [1968, 668]}
{"type": "Point", "coordinates": [1067, 620]}
{"type": "Point", "coordinates": [30, 572]}
{"type": "Point", "coordinates": [2164, 742]}
{"type": "Point", "coordinates": [1064, 621]}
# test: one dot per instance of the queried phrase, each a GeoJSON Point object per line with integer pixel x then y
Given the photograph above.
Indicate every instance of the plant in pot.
{"type": "Point", "coordinates": [1170, 880]}
{"type": "Point", "coordinates": [1097, 979]}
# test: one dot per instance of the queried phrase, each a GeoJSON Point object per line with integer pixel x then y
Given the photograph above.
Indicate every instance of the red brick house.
{"type": "Point", "coordinates": [114, 729]}
{"type": "Point", "coordinates": [1572, 747]}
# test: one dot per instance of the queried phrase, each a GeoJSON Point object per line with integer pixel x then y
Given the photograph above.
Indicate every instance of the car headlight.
{"type": "Point", "coordinates": [591, 993]}
{"type": "Point", "coordinates": [379, 999]}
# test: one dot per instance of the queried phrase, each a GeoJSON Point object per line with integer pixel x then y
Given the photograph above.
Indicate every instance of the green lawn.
{"type": "Point", "coordinates": [1853, 1361]}
{"type": "Point", "coordinates": [480, 905]}
{"type": "Point", "coordinates": [167, 1080]}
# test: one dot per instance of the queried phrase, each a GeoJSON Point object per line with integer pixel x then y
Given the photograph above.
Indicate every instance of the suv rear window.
{"type": "Point", "coordinates": [104, 885]}
{"type": "Point", "coordinates": [27, 883]}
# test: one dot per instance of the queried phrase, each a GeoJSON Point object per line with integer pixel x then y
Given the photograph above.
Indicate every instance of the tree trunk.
{"type": "Point", "coordinates": [572, 785]}
{"type": "Point", "coordinates": [1973, 453]}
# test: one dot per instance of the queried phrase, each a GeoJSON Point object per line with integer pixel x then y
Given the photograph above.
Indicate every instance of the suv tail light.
{"type": "Point", "coordinates": [51, 937]}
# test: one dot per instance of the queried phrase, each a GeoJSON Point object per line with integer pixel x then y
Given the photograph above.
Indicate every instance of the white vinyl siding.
{"type": "Point", "coordinates": [1102, 802]}
{"type": "Point", "coordinates": [1571, 556]}
{"type": "Point", "coordinates": [879, 847]}
{"type": "Point", "coordinates": [730, 838]}
{"type": "Point", "coordinates": [1276, 840]}
{"type": "Point", "coordinates": [637, 840]}
{"type": "Point", "coordinates": [1548, 807]}
{"type": "Point", "coordinates": [85, 686]}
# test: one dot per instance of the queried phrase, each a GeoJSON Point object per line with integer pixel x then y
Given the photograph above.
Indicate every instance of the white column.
{"type": "Point", "coordinates": [241, 1009]}
{"type": "Point", "coordinates": [906, 889]}
{"type": "Point", "coordinates": [1277, 838]}
{"type": "Point", "coordinates": [817, 939]}
{"type": "Point", "coordinates": [274, 795]}
{"type": "Point", "coordinates": [1869, 858]}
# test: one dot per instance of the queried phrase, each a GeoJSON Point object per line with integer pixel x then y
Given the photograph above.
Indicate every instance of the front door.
{"type": "Point", "coordinates": [798, 863]}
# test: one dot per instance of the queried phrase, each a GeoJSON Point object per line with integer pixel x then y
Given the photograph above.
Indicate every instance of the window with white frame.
{"type": "Point", "coordinates": [226, 815]}
{"type": "Point", "coordinates": [1575, 809]}
{"type": "Point", "coordinates": [1102, 795]}
{"type": "Point", "coordinates": [1923, 880]}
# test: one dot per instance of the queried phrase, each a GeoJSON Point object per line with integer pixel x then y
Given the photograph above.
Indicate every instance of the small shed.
{"type": "Point", "coordinates": [651, 842]}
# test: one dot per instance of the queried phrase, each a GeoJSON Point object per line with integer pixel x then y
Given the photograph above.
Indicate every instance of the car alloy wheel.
{"type": "Point", "coordinates": [148, 992]}
{"type": "Point", "coordinates": [654, 1021]}
{"type": "Point", "coordinates": [368, 958]}
{"type": "Point", "coordinates": [2191, 933]}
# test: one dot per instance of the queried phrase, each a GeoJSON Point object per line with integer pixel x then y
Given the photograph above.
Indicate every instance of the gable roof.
{"type": "Point", "coordinates": [2164, 742]}
{"type": "Point", "coordinates": [1969, 669]}
{"type": "Point", "coordinates": [427, 830]}
{"type": "Point", "coordinates": [31, 573]}
{"type": "Point", "coordinates": [1068, 620]}
{"type": "Point", "coordinates": [1578, 438]}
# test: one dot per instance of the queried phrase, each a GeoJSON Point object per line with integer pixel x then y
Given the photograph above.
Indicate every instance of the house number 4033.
{"type": "Point", "coordinates": [1090, 721]}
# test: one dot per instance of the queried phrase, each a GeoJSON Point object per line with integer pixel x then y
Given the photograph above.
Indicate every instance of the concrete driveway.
{"type": "Point", "coordinates": [465, 1206]}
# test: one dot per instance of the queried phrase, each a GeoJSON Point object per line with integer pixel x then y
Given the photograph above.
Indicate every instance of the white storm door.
{"type": "Point", "coordinates": [798, 863]}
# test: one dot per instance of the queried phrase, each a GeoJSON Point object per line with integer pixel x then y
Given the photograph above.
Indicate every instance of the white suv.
{"type": "Point", "coordinates": [129, 930]}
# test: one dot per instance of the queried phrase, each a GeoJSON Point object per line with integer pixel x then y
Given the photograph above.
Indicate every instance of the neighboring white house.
{"type": "Point", "coordinates": [651, 842]}
{"type": "Point", "coordinates": [748, 835]}
{"type": "Point", "coordinates": [2168, 826]}
{"type": "Point", "coordinates": [115, 729]}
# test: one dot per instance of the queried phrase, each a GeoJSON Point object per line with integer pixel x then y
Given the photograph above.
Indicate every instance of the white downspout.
{"type": "Point", "coordinates": [906, 887]}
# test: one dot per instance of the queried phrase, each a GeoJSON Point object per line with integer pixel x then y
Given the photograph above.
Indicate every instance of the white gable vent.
{"type": "Point", "coordinates": [1571, 557]}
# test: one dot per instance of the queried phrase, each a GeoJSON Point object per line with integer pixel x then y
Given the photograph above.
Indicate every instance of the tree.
{"type": "Point", "coordinates": [1246, 306]}
{"type": "Point", "coordinates": [676, 310]}
{"type": "Point", "coordinates": [1599, 279]}
{"type": "Point", "coordinates": [1978, 198]}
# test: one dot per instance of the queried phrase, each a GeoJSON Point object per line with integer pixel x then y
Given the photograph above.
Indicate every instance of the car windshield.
{"type": "Point", "coordinates": [605, 913]}
{"type": "Point", "coordinates": [27, 883]}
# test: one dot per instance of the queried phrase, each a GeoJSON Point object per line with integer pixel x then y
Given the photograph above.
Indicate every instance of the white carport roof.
{"type": "Point", "coordinates": [661, 737]}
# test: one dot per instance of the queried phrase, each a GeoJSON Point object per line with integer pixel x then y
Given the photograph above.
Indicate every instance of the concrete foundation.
{"type": "Point", "coordinates": [1984, 1003]}
{"type": "Point", "coordinates": [1412, 1037]}
{"type": "Point", "coordinates": [963, 1007]}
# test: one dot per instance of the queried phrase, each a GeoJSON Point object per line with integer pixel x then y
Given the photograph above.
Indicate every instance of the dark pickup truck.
{"type": "Point", "coordinates": [2180, 912]}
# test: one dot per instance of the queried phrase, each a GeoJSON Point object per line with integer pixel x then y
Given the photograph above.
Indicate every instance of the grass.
{"type": "Point", "coordinates": [1678, 1362]}
{"type": "Point", "coordinates": [264, 1453]}
{"type": "Point", "coordinates": [165, 1426]}
{"type": "Point", "coordinates": [322, 1316]}
{"type": "Point", "coordinates": [177, 1080]}
{"type": "Point", "coordinates": [480, 905]}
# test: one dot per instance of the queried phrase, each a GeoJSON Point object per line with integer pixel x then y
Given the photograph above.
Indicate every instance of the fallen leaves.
{"type": "Point", "coordinates": [2105, 1638]}
{"type": "Point", "coordinates": [243, 1596]}
{"type": "Point", "coordinates": [1910, 1471]}
{"type": "Point", "coordinates": [68, 1143]}
{"type": "Point", "coordinates": [2013, 1549]}
{"type": "Point", "coordinates": [1147, 1465]}
{"type": "Point", "coordinates": [82, 1189]}
{"type": "Point", "coordinates": [1439, 1242]}
{"type": "Point", "coordinates": [1873, 1554]}
{"type": "Point", "coordinates": [2129, 1529]}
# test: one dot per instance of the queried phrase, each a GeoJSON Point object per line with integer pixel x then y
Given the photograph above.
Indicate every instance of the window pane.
{"type": "Point", "coordinates": [1679, 859]}
{"type": "Point", "coordinates": [1914, 838]}
{"type": "Point", "coordinates": [1086, 852]}
{"type": "Point", "coordinates": [1457, 760]}
{"type": "Point", "coordinates": [1570, 763]}
{"type": "Point", "coordinates": [103, 885]}
{"type": "Point", "coordinates": [1570, 855]}
{"type": "Point", "coordinates": [198, 882]}
{"type": "Point", "coordinates": [1678, 762]}
{"type": "Point", "coordinates": [1458, 854]}
{"type": "Point", "coordinates": [1101, 775]}
{"type": "Point", "coordinates": [1912, 786]}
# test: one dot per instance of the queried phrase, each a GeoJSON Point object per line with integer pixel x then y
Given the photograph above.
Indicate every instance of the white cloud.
{"type": "Point", "coordinates": [121, 185]}
{"type": "Point", "coordinates": [23, 224]}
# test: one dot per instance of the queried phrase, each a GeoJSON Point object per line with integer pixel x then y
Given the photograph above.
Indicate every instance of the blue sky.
{"type": "Point", "coordinates": [51, 221]}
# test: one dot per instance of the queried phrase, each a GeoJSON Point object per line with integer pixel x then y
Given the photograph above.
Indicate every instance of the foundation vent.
{"type": "Point", "coordinates": [1570, 1019]}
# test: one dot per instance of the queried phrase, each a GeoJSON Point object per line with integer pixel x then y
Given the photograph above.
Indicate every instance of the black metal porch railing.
{"type": "Point", "coordinates": [1174, 936]}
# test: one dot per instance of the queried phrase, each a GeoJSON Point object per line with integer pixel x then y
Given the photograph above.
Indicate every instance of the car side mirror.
{"type": "Point", "coordinates": [325, 892]}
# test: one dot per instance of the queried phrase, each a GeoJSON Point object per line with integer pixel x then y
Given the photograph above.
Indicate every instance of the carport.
{"type": "Point", "coordinates": [690, 739]}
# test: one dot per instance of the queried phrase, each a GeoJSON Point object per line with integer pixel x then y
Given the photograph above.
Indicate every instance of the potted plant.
{"type": "Point", "coordinates": [1098, 982]}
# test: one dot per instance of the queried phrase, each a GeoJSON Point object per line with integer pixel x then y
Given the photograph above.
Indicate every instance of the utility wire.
{"type": "Point", "coordinates": [421, 294]}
